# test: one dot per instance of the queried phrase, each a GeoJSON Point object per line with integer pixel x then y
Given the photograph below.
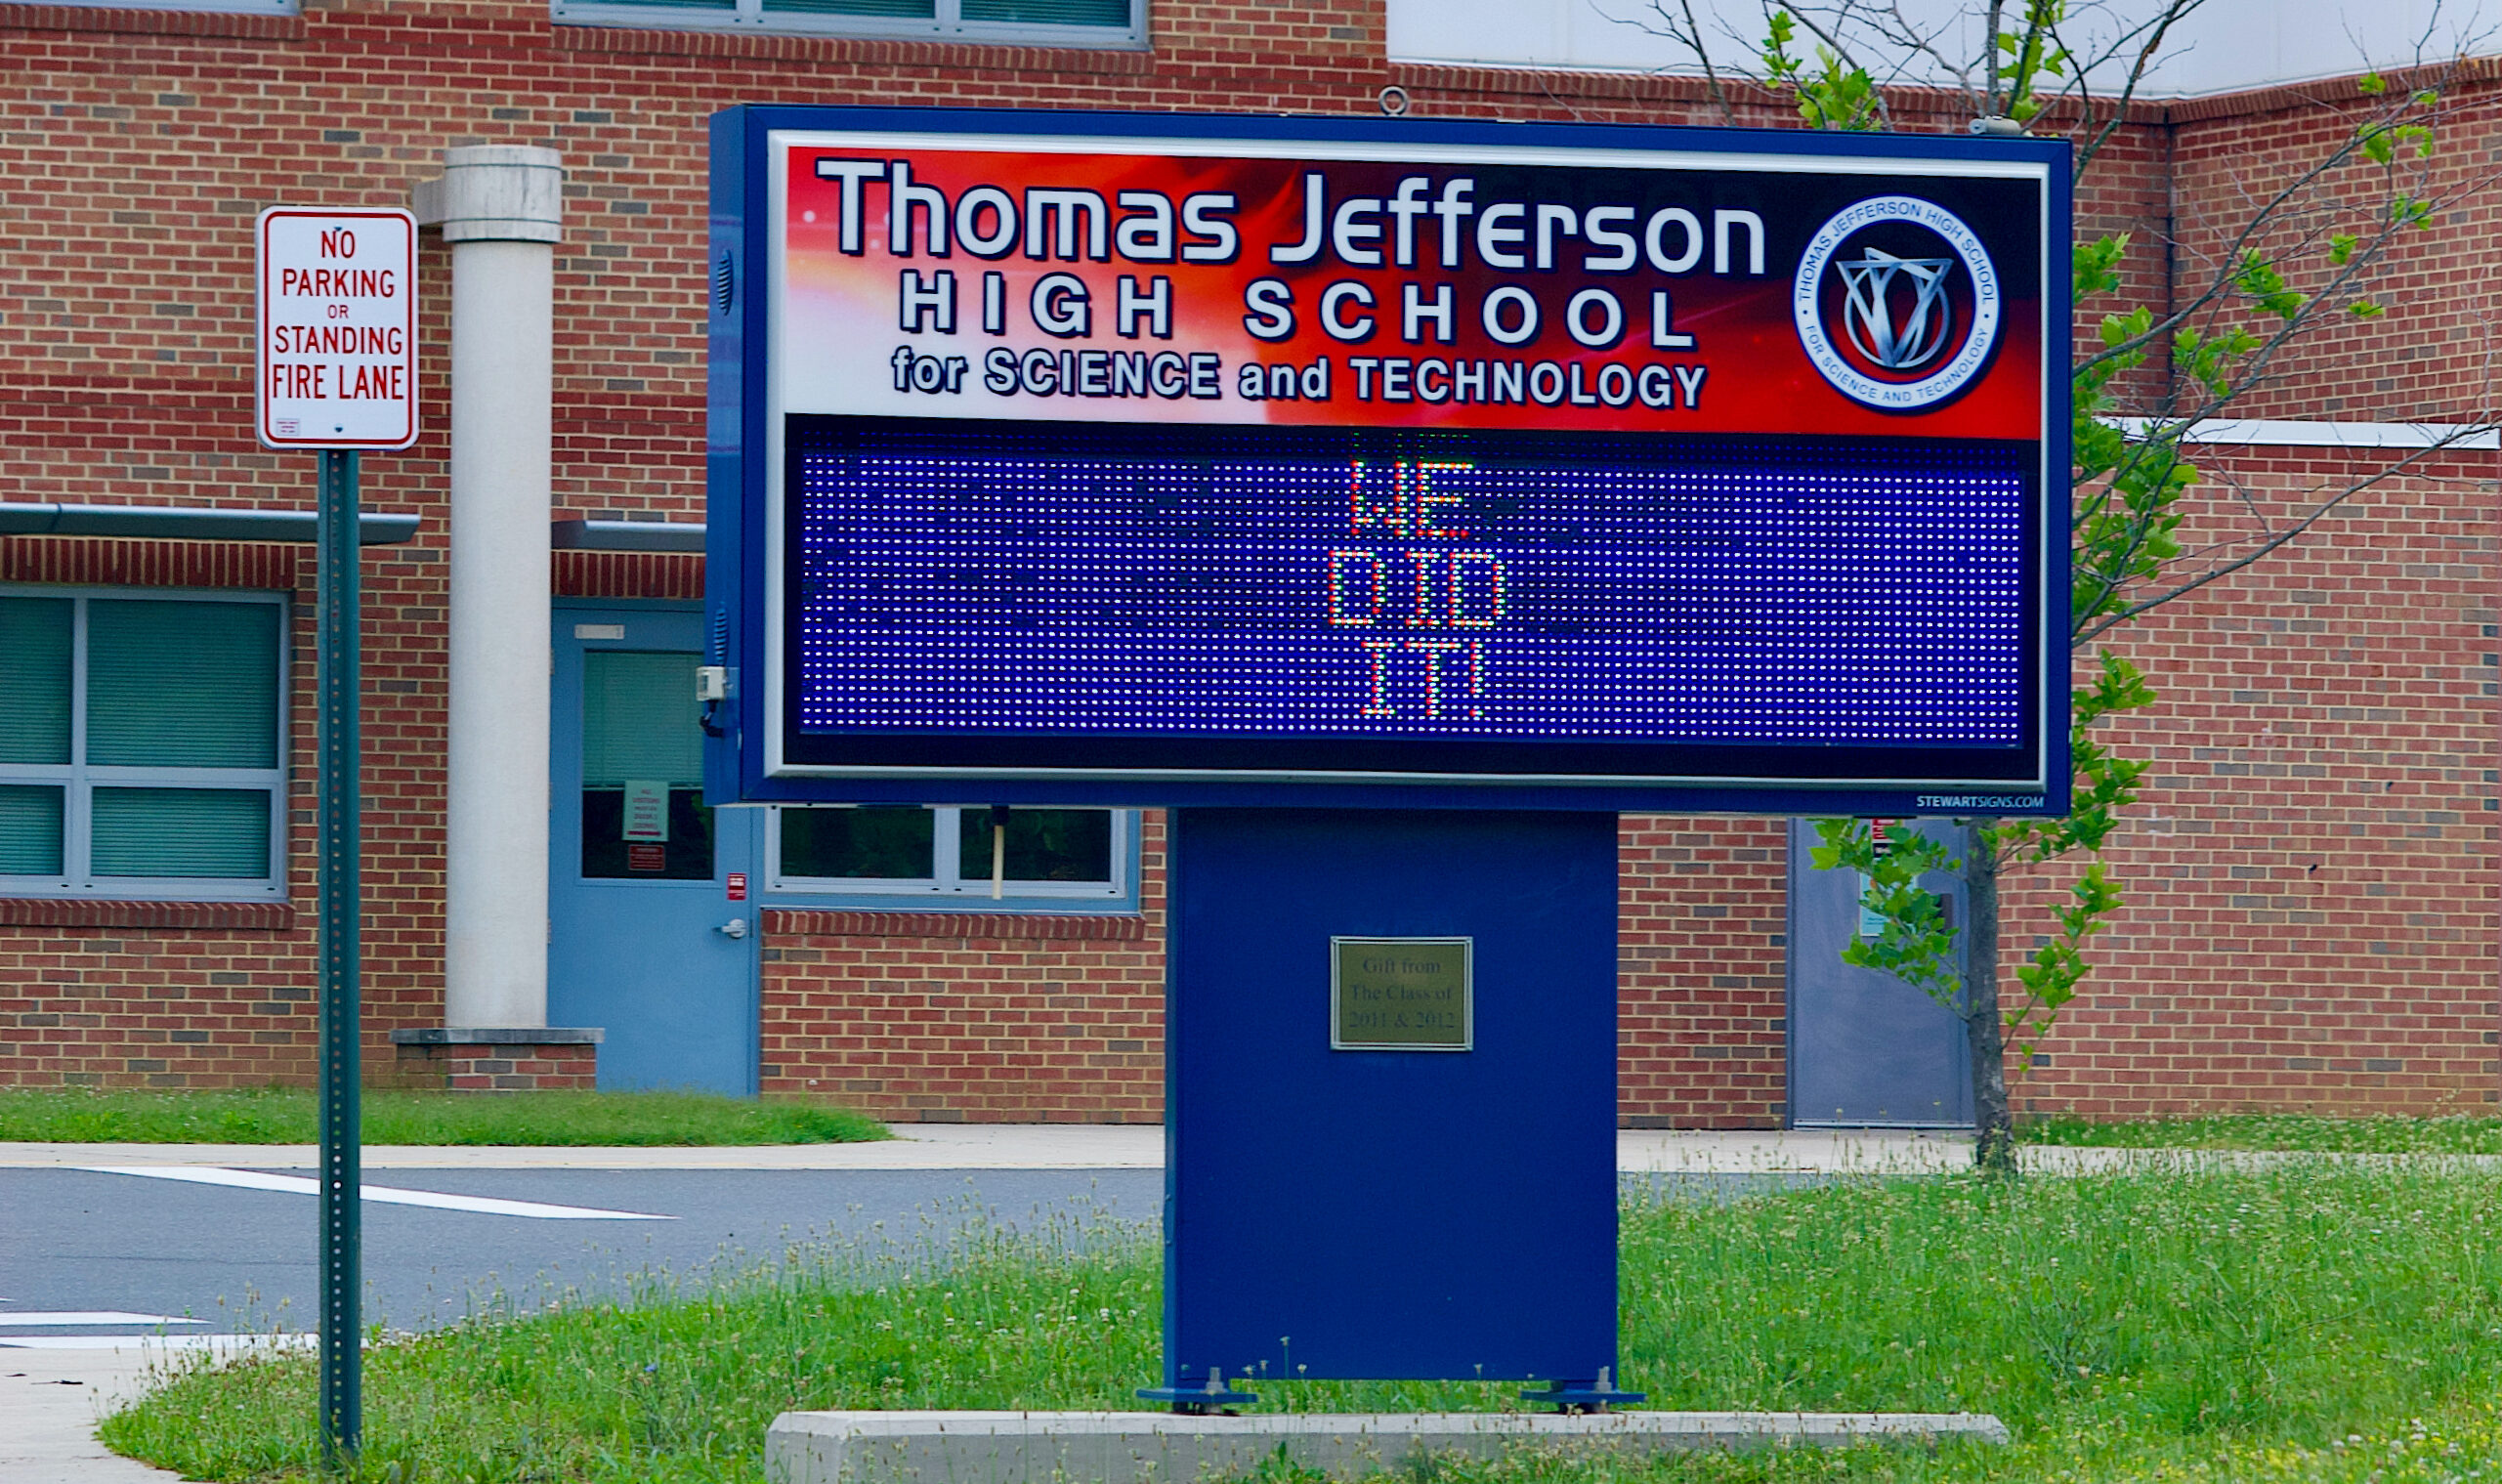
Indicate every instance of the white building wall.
{"type": "Point", "coordinates": [2224, 46]}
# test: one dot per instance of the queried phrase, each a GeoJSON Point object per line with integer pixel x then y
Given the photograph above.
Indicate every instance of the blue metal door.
{"type": "Point", "coordinates": [1866, 1049]}
{"type": "Point", "coordinates": [644, 939]}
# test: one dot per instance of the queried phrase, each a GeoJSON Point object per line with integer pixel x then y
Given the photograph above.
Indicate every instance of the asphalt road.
{"type": "Point", "coordinates": [75, 1242]}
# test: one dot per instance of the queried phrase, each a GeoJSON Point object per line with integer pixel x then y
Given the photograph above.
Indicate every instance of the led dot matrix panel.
{"type": "Point", "coordinates": [1102, 458]}
{"type": "Point", "coordinates": [1344, 600]}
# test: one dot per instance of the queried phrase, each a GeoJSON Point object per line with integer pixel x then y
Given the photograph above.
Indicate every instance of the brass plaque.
{"type": "Point", "coordinates": [1400, 995]}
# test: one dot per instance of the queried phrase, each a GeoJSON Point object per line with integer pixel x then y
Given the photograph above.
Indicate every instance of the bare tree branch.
{"type": "Point", "coordinates": [1989, 49]}
{"type": "Point", "coordinates": [2266, 216]}
{"type": "Point", "coordinates": [2080, 75]}
{"type": "Point", "coordinates": [2275, 539]}
{"type": "Point", "coordinates": [1702, 54]}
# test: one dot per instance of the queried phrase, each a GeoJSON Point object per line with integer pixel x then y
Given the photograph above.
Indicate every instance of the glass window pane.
{"type": "Point", "coordinates": [1042, 845]}
{"type": "Point", "coordinates": [640, 719]}
{"type": "Point", "coordinates": [910, 10]}
{"type": "Point", "coordinates": [182, 833]}
{"type": "Point", "coordinates": [680, 851]}
{"type": "Point", "coordinates": [183, 684]}
{"type": "Point", "coordinates": [30, 831]}
{"type": "Point", "coordinates": [642, 812]}
{"type": "Point", "coordinates": [886, 842]}
{"type": "Point", "coordinates": [679, 5]}
{"type": "Point", "coordinates": [1050, 12]}
{"type": "Point", "coordinates": [34, 679]}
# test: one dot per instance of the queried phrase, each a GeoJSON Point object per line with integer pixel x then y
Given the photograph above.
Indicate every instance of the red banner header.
{"type": "Point", "coordinates": [1597, 289]}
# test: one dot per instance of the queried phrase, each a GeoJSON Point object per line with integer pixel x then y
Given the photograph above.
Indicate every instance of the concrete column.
{"type": "Point", "coordinates": [501, 207]}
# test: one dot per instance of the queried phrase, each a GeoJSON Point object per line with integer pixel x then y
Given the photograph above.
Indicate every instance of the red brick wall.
{"type": "Point", "coordinates": [991, 1020]}
{"type": "Point", "coordinates": [2429, 357]}
{"type": "Point", "coordinates": [2311, 874]}
{"type": "Point", "coordinates": [510, 1067]}
{"type": "Point", "coordinates": [1702, 941]}
{"type": "Point", "coordinates": [140, 145]}
{"type": "Point", "coordinates": [2311, 879]}
{"type": "Point", "coordinates": [98, 1006]}
{"type": "Point", "coordinates": [1010, 1019]}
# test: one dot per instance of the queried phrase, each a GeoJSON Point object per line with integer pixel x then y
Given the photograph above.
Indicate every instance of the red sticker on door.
{"type": "Point", "coordinates": [738, 887]}
{"type": "Point", "coordinates": [640, 857]}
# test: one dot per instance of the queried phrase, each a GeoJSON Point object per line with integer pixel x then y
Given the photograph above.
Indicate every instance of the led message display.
{"type": "Point", "coordinates": [1108, 458]}
{"type": "Point", "coordinates": [1500, 603]}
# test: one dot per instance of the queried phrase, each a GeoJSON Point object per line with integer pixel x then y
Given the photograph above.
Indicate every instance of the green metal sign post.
{"type": "Point", "coordinates": [335, 371]}
{"type": "Point", "coordinates": [341, 842]}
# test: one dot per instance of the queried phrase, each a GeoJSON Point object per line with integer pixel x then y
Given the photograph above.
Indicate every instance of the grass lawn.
{"type": "Point", "coordinates": [2314, 1323]}
{"type": "Point", "coordinates": [2278, 1131]}
{"type": "Point", "coordinates": [286, 1115]}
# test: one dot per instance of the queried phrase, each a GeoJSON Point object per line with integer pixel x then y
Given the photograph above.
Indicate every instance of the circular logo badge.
{"type": "Point", "coordinates": [1896, 303]}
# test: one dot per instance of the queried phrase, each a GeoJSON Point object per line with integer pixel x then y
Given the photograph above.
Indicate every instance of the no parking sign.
{"type": "Point", "coordinates": [335, 362]}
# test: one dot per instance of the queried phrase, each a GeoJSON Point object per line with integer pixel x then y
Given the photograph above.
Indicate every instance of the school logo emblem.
{"type": "Point", "coordinates": [1896, 303]}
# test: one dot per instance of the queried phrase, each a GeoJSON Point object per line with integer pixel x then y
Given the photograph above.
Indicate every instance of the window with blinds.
{"type": "Point", "coordinates": [1035, 23]}
{"type": "Point", "coordinates": [643, 810]}
{"type": "Point", "coordinates": [142, 753]}
{"type": "Point", "coordinates": [1070, 858]}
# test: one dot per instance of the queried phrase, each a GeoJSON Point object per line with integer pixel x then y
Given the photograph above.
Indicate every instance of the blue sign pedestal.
{"type": "Point", "coordinates": [1407, 1214]}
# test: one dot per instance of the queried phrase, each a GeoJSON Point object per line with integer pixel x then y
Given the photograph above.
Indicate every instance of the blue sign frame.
{"type": "Point", "coordinates": [960, 760]}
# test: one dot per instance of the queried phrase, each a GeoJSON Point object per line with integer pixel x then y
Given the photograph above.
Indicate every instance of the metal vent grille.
{"type": "Point", "coordinates": [724, 281]}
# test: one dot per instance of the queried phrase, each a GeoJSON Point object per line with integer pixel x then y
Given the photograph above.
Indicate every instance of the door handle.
{"type": "Point", "coordinates": [736, 927]}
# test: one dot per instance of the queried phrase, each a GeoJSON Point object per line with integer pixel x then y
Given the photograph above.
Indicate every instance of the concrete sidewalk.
{"type": "Point", "coordinates": [917, 1146]}
{"type": "Point", "coordinates": [1032, 1146]}
{"type": "Point", "coordinates": [50, 1402]}
{"type": "Point", "coordinates": [1132, 1146]}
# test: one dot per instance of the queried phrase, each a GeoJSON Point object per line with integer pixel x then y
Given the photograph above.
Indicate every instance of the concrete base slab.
{"type": "Point", "coordinates": [1119, 1447]}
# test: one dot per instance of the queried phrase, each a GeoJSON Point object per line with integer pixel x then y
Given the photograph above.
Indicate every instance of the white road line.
{"type": "Point", "coordinates": [57, 1318]}
{"type": "Point", "coordinates": [253, 1179]}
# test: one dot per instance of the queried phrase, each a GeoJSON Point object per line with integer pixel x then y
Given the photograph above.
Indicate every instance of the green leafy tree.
{"type": "Point", "coordinates": [2302, 258]}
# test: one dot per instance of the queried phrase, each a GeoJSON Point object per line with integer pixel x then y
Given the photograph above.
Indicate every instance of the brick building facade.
{"type": "Point", "coordinates": [2311, 874]}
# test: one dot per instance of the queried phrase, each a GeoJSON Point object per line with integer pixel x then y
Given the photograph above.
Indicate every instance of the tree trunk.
{"type": "Point", "coordinates": [1993, 1123]}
